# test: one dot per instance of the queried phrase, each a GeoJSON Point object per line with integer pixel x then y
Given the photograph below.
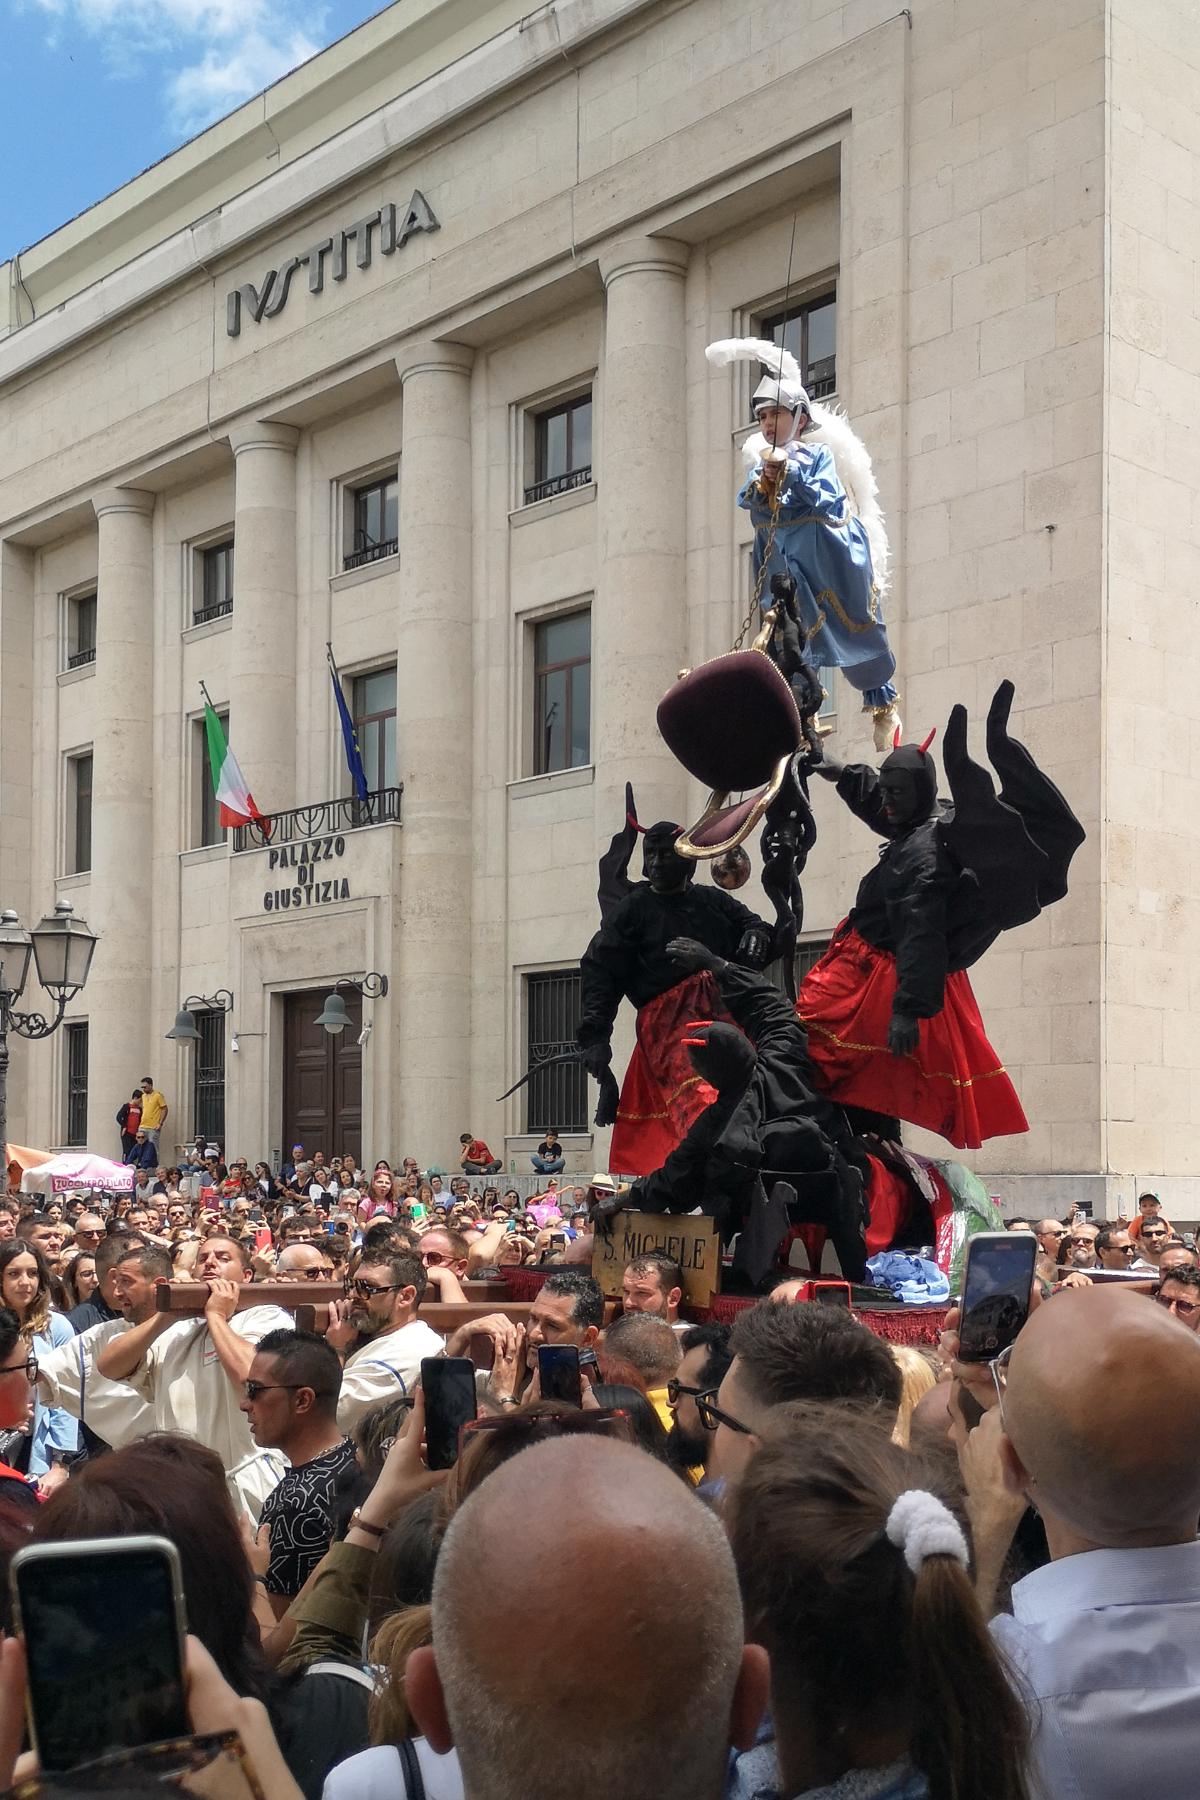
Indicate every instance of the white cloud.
{"type": "Point", "coordinates": [217, 53]}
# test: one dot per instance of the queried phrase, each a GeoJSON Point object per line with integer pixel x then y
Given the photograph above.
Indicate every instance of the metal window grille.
{"type": "Point", "coordinates": [376, 522]}
{"type": "Point", "coordinates": [809, 331]}
{"type": "Point", "coordinates": [76, 1059]}
{"type": "Point", "coordinates": [562, 449]}
{"type": "Point", "coordinates": [217, 586]}
{"type": "Point", "coordinates": [208, 1076]}
{"type": "Point", "coordinates": [556, 1096]}
{"type": "Point", "coordinates": [808, 955]}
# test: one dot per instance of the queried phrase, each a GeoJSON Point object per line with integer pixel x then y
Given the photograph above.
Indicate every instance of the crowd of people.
{"type": "Point", "coordinates": [775, 1559]}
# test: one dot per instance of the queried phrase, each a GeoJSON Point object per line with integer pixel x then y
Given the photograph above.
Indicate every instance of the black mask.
{"type": "Point", "coordinates": [666, 872]}
{"type": "Point", "coordinates": [908, 783]}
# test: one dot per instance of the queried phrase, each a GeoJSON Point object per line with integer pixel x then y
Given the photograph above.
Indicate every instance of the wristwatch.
{"type": "Point", "coordinates": [358, 1523]}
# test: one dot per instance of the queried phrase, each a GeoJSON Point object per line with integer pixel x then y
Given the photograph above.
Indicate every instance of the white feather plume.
{"type": "Point", "coordinates": [830, 426]}
{"type": "Point", "coordinates": [774, 358]}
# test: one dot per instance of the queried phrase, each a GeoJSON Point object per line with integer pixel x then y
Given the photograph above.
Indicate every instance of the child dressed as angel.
{"type": "Point", "coordinates": [828, 528]}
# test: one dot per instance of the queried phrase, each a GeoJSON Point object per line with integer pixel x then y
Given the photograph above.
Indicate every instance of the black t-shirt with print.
{"type": "Point", "coordinates": [298, 1515]}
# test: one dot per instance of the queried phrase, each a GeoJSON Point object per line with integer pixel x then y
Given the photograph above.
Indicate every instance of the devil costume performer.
{"type": "Point", "coordinates": [813, 502]}
{"type": "Point", "coordinates": [627, 959]}
{"type": "Point", "coordinates": [767, 1125]}
{"type": "Point", "coordinates": [893, 1023]}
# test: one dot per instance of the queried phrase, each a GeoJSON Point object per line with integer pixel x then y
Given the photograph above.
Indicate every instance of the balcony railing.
{"type": "Point", "coordinates": [81, 658]}
{"type": "Point", "coordinates": [204, 615]}
{"type": "Point", "coordinates": [558, 484]}
{"type": "Point", "coordinates": [326, 818]}
{"type": "Point", "coordinates": [372, 553]}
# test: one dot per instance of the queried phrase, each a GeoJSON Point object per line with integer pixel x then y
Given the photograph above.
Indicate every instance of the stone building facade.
{"type": "Point", "coordinates": [477, 219]}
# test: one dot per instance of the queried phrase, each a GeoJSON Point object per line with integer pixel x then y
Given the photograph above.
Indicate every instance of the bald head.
{"type": "Point", "coordinates": [593, 1535]}
{"type": "Point", "coordinates": [1102, 1411]}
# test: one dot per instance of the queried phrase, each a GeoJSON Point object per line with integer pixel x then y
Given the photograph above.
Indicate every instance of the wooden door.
{"type": "Point", "coordinates": [322, 1081]}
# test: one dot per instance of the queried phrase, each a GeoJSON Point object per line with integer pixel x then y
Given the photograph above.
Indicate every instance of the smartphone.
{"type": "Point", "coordinates": [255, 1213]}
{"type": "Point", "coordinates": [558, 1240]}
{"type": "Point", "coordinates": [589, 1367]}
{"type": "Point", "coordinates": [559, 1374]}
{"type": "Point", "coordinates": [103, 1621]}
{"type": "Point", "coordinates": [448, 1383]}
{"type": "Point", "coordinates": [995, 1295]}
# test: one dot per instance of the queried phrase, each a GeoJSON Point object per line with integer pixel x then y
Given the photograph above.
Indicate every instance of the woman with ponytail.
{"type": "Point", "coordinates": [884, 1682]}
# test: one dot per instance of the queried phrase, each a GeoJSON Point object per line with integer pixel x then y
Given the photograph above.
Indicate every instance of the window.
{"type": "Point", "coordinates": [79, 814]}
{"type": "Point", "coordinates": [216, 584]}
{"type": "Point", "coordinates": [562, 693]}
{"type": "Point", "coordinates": [208, 1077]}
{"type": "Point", "coordinates": [556, 1096]}
{"type": "Point", "coordinates": [76, 1067]}
{"type": "Point", "coordinates": [211, 829]}
{"type": "Point", "coordinates": [373, 706]}
{"type": "Point", "coordinates": [374, 521]}
{"type": "Point", "coordinates": [562, 449]}
{"type": "Point", "coordinates": [809, 331]}
{"type": "Point", "coordinates": [81, 631]}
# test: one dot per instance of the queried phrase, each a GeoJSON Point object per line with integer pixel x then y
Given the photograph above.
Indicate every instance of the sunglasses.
{"type": "Point", "coordinates": [367, 1290]}
{"type": "Point", "coordinates": [1185, 1309]}
{"type": "Point", "coordinates": [711, 1415]}
{"type": "Point", "coordinates": [675, 1388]}
{"type": "Point", "coordinates": [433, 1259]}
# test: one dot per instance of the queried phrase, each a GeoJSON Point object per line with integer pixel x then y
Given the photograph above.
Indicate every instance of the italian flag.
{"type": "Point", "coordinates": [234, 798]}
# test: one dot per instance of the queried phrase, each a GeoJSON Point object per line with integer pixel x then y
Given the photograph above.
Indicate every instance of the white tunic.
{"type": "Point", "coordinates": [68, 1377]}
{"type": "Point", "coordinates": [385, 1368]}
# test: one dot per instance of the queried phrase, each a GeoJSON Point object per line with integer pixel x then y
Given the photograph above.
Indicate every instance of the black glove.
{"type": "Point", "coordinates": [721, 1055]}
{"type": "Point", "coordinates": [608, 1099]}
{"type": "Point", "coordinates": [596, 1058]}
{"type": "Point", "coordinates": [904, 1034]}
{"type": "Point", "coordinates": [754, 947]}
{"type": "Point", "coordinates": [692, 957]}
{"type": "Point", "coordinates": [604, 1211]}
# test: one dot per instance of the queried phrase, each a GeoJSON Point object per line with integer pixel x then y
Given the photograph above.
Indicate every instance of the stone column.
{"type": "Point", "coordinates": [122, 1042]}
{"type": "Point", "coordinates": [639, 623]}
{"type": "Point", "coordinates": [435, 645]}
{"type": "Point", "coordinates": [262, 662]}
{"type": "Point", "coordinates": [17, 788]}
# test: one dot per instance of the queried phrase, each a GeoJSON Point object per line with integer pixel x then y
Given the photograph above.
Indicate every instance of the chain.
{"type": "Point", "coordinates": [756, 597]}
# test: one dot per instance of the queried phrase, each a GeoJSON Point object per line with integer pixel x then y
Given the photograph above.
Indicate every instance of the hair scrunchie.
{"type": "Point", "coordinates": [920, 1525]}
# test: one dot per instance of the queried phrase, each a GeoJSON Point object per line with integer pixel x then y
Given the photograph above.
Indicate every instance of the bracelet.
{"type": "Point", "coordinates": [504, 1399]}
{"type": "Point", "coordinates": [358, 1523]}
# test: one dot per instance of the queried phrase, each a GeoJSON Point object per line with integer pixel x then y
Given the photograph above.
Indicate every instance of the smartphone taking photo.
{"type": "Point", "coordinates": [448, 1383]}
{"type": "Point", "coordinates": [103, 1622]}
{"type": "Point", "coordinates": [559, 1374]}
{"type": "Point", "coordinates": [995, 1295]}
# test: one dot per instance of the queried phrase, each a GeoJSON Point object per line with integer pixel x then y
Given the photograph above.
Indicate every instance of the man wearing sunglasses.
{"type": "Point", "coordinates": [378, 1334]}
{"type": "Point", "coordinates": [290, 1403]}
{"type": "Point", "coordinates": [1179, 1293]}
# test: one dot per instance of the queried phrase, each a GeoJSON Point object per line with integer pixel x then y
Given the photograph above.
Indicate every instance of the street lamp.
{"type": "Point", "coordinates": [333, 1015]}
{"type": "Point", "coordinates": [184, 1029]}
{"type": "Point", "coordinates": [61, 947]}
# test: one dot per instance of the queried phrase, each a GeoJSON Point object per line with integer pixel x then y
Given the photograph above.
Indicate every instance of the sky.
{"type": "Point", "coordinates": [96, 90]}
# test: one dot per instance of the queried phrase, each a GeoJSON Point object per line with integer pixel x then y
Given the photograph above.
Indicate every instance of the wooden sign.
{"type": "Point", "coordinates": [691, 1238]}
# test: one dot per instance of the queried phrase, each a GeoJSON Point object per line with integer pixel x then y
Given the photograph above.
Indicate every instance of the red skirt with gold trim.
{"type": "Point", "coordinates": [662, 1096]}
{"type": "Point", "coordinates": [953, 1083]}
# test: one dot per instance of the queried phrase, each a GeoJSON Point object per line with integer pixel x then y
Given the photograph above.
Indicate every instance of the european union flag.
{"type": "Point", "coordinates": [349, 735]}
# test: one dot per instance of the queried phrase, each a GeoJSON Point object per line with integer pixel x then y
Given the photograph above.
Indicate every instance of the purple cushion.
{"type": "Point", "coordinates": [730, 720]}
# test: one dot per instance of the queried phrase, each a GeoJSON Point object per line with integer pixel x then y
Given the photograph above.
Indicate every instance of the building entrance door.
{"type": "Point", "coordinates": [322, 1080]}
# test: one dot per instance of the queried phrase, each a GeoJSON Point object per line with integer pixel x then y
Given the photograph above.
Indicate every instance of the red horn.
{"type": "Point", "coordinates": [632, 822]}
{"type": "Point", "coordinates": [928, 740]}
{"type": "Point", "coordinates": [897, 738]}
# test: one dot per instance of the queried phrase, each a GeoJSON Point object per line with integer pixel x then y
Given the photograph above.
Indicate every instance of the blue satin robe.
{"type": "Point", "coordinates": [820, 543]}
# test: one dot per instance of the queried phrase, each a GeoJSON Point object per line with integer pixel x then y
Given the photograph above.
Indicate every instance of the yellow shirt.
{"type": "Point", "coordinates": [154, 1110]}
